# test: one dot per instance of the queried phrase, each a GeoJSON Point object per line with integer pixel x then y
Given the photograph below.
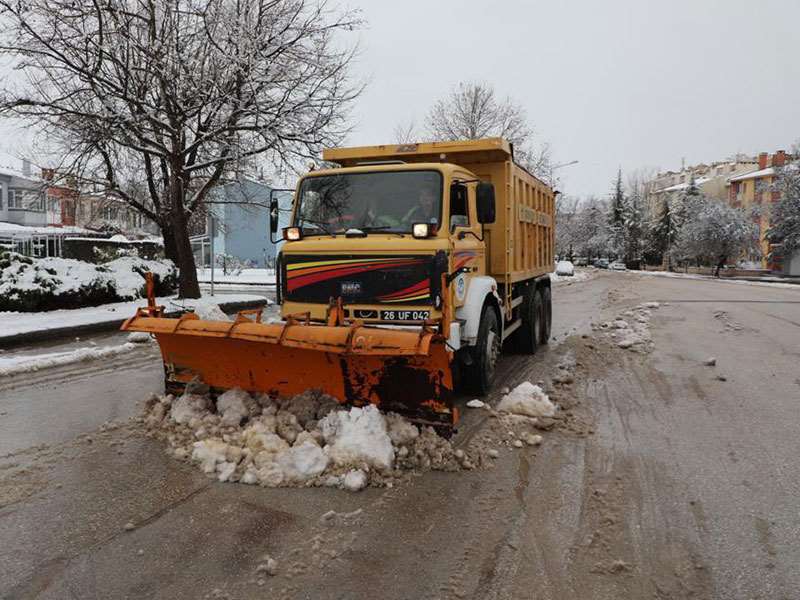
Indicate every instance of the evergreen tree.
{"type": "Point", "coordinates": [633, 228]}
{"type": "Point", "coordinates": [616, 217]}
{"type": "Point", "coordinates": [663, 232]}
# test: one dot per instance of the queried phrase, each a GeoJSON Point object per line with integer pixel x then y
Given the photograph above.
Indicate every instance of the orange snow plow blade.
{"type": "Point", "coordinates": [398, 370]}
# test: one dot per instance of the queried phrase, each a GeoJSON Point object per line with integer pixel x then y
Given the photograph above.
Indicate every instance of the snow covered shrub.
{"type": "Point", "coordinates": [30, 284]}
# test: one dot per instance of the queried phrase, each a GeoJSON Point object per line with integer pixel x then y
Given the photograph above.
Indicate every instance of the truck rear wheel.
{"type": "Point", "coordinates": [485, 352]}
{"type": "Point", "coordinates": [547, 315]}
{"type": "Point", "coordinates": [529, 334]}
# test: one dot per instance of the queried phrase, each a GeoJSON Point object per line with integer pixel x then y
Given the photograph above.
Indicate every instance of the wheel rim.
{"type": "Point", "coordinates": [492, 352]}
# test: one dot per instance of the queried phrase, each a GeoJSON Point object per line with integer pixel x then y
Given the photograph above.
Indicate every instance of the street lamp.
{"type": "Point", "coordinates": [559, 166]}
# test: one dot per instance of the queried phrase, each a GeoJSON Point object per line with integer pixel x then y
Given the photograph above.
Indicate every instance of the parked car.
{"type": "Point", "coordinates": [582, 262]}
{"type": "Point", "coordinates": [617, 265]}
{"type": "Point", "coordinates": [601, 263]}
{"type": "Point", "coordinates": [565, 268]}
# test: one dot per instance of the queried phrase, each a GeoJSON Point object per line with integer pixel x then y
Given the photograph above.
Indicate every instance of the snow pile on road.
{"type": "Point", "coordinates": [528, 400]}
{"type": "Point", "coordinates": [358, 436]}
{"type": "Point", "coordinates": [36, 284]}
{"type": "Point", "coordinates": [307, 440]}
{"type": "Point", "coordinates": [631, 329]}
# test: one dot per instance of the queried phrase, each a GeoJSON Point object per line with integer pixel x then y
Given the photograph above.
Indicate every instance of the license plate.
{"type": "Point", "coordinates": [405, 315]}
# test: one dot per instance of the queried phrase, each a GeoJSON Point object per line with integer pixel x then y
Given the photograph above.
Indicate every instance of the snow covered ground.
{"type": "Point", "coordinates": [17, 323]}
{"type": "Point", "coordinates": [246, 276]}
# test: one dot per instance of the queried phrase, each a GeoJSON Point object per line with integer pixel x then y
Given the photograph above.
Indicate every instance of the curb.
{"type": "Point", "coordinates": [42, 335]}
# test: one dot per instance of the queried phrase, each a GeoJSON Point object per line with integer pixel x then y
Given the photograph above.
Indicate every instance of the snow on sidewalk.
{"type": "Point", "coordinates": [18, 323]}
{"type": "Point", "coordinates": [246, 276]}
{"type": "Point", "coordinates": [677, 275]}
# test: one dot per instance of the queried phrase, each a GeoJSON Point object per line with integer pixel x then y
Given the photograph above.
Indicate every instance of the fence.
{"type": "Point", "coordinates": [34, 245]}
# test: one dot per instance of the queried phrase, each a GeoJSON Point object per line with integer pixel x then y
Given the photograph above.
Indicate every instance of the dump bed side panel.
{"type": "Point", "coordinates": [532, 207]}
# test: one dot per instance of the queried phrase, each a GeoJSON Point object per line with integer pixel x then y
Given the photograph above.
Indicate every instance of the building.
{"type": "Point", "coordinates": [711, 180]}
{"type": "Point", "coordinates": [754, 191]}
{"type": "Point", "coordinates": [42, 202]}
{"type": "Point", "coordinates": [108, 212]}
{"type": "Point", "coordinates": [240, 212]}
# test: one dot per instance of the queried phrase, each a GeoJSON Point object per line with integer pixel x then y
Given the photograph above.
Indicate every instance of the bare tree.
{"type": "Point", "coordinates": [472, 111]}
{"type": "Point", "coordinates": [160, 101]}
{"type": "Point", "coordinates": [405, 133]}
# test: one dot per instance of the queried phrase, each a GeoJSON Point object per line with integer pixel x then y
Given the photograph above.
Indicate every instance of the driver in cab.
{"type": "Point", "coordinates": [424, 211]}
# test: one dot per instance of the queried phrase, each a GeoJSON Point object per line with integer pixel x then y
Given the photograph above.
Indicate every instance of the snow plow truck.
{"type": "Point", "coordinates": [402, 274]}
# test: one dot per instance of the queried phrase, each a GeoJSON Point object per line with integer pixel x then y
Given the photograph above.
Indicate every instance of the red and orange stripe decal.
{"type": "Point", "coordinates": [306, 273]}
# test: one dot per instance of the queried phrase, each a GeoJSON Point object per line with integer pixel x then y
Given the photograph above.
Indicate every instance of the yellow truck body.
{"type": "Point", "coordinates": [403, 272]}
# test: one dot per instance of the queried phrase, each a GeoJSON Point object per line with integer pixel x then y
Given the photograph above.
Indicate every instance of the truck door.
{"type": "Point", "coordinates": [465, 236]}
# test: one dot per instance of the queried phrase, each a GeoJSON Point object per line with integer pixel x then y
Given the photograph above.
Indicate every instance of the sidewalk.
{"type": "Point", "coordinates": [18, 328]}
{"type": "Point", "coordinates": [246, 277]}
{"type": "Point", "coordinates": [784, 282]}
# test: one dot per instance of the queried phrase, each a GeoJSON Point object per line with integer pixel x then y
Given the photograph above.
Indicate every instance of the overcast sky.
{"type": "Point", "coordinates": [608, 83]}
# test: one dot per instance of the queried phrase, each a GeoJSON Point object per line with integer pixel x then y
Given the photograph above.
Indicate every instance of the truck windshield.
{"type": "Point", "coordinates": [380, 201]}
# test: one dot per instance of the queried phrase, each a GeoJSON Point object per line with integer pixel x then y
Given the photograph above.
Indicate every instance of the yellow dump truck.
{"type": "Point", "coordinates": [402, 273]}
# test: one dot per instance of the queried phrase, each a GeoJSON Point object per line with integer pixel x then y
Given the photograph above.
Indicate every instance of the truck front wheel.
{"type": "Point", "coordinates": [485, 352]}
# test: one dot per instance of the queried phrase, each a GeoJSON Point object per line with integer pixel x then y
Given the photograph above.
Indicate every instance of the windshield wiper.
{"type": "Point", "coordinates": [319, 225]}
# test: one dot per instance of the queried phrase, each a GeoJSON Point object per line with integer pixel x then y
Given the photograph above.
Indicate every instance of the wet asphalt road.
{"type": "Point", "coordinates": [687, 486]}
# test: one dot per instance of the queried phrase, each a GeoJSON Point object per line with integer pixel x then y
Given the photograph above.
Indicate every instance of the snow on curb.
{"type": "Point", "coordinates": [26, 323]}
{"type": "Point", "coordinates": [29, 364]}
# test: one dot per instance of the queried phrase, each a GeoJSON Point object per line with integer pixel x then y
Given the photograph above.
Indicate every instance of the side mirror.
{"type": "Point", "coordinates": [484, 198]}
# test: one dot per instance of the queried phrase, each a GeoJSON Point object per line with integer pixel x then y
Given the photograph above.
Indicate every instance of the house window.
{"type": "Point", "coordinates": [12, 199]}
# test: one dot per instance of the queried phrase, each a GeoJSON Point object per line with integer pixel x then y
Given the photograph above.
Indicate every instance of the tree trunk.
{"type": "Point", "coordinates": [720, 264]}
{"type": "Point", "coordinates": [187, 281]}
{"type": "Point", "coordinates": [187, 270]}
{"type": "Point", "coordinates": [170, 250]}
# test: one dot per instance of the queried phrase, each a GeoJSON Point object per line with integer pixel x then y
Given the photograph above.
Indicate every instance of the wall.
{"type": "Point", "coordinates": [243, 222]}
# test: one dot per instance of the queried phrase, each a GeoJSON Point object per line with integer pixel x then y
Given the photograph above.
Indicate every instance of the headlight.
{"type": "Point", "coordinates": [292, 234]}
{"type": "Point", "coordinates": [420, 230]}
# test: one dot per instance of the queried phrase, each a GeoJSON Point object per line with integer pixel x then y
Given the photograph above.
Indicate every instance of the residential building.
{"type": "Point", "coordinates": [107, 211]}
{"type": "Point", "coordinates": [22, 200]}
{"type": "Point", "coordinates": [240, 224]}
{"type": "Point", "coordinates": [711, 180]}
{"type": "Point", "coordinates": [754, 191]}
{"type": "Point", "coordinates": [25, 200]}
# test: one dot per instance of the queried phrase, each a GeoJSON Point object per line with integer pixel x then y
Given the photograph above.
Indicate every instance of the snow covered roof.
{"type": "Point", "coordinates": [17, 181]}
{"type": "Point", "coordinates": [13, 228]}
{"type": "Point", "coordinates": [754, 174]}
{"type": "Point", "coordinates": [683, 186]}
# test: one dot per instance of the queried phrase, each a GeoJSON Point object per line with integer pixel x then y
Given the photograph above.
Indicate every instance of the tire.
{"type": "Point", "coordinates": [529, 334]}
{"type": "Point", "coordinates": [547, 316]}
{"type": "Point", "coordinates": [485, 352]}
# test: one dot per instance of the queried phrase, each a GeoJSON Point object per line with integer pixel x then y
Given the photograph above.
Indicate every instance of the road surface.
{"type": "Point", "coordinates": [681, 480]}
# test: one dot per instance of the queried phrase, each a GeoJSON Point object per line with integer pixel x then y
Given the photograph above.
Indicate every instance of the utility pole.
{"type": "Point", "coordinates": [212, 230]}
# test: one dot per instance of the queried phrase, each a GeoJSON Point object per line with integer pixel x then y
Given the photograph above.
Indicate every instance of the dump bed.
{"type": "Point", "coordinates": [520, 243]}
